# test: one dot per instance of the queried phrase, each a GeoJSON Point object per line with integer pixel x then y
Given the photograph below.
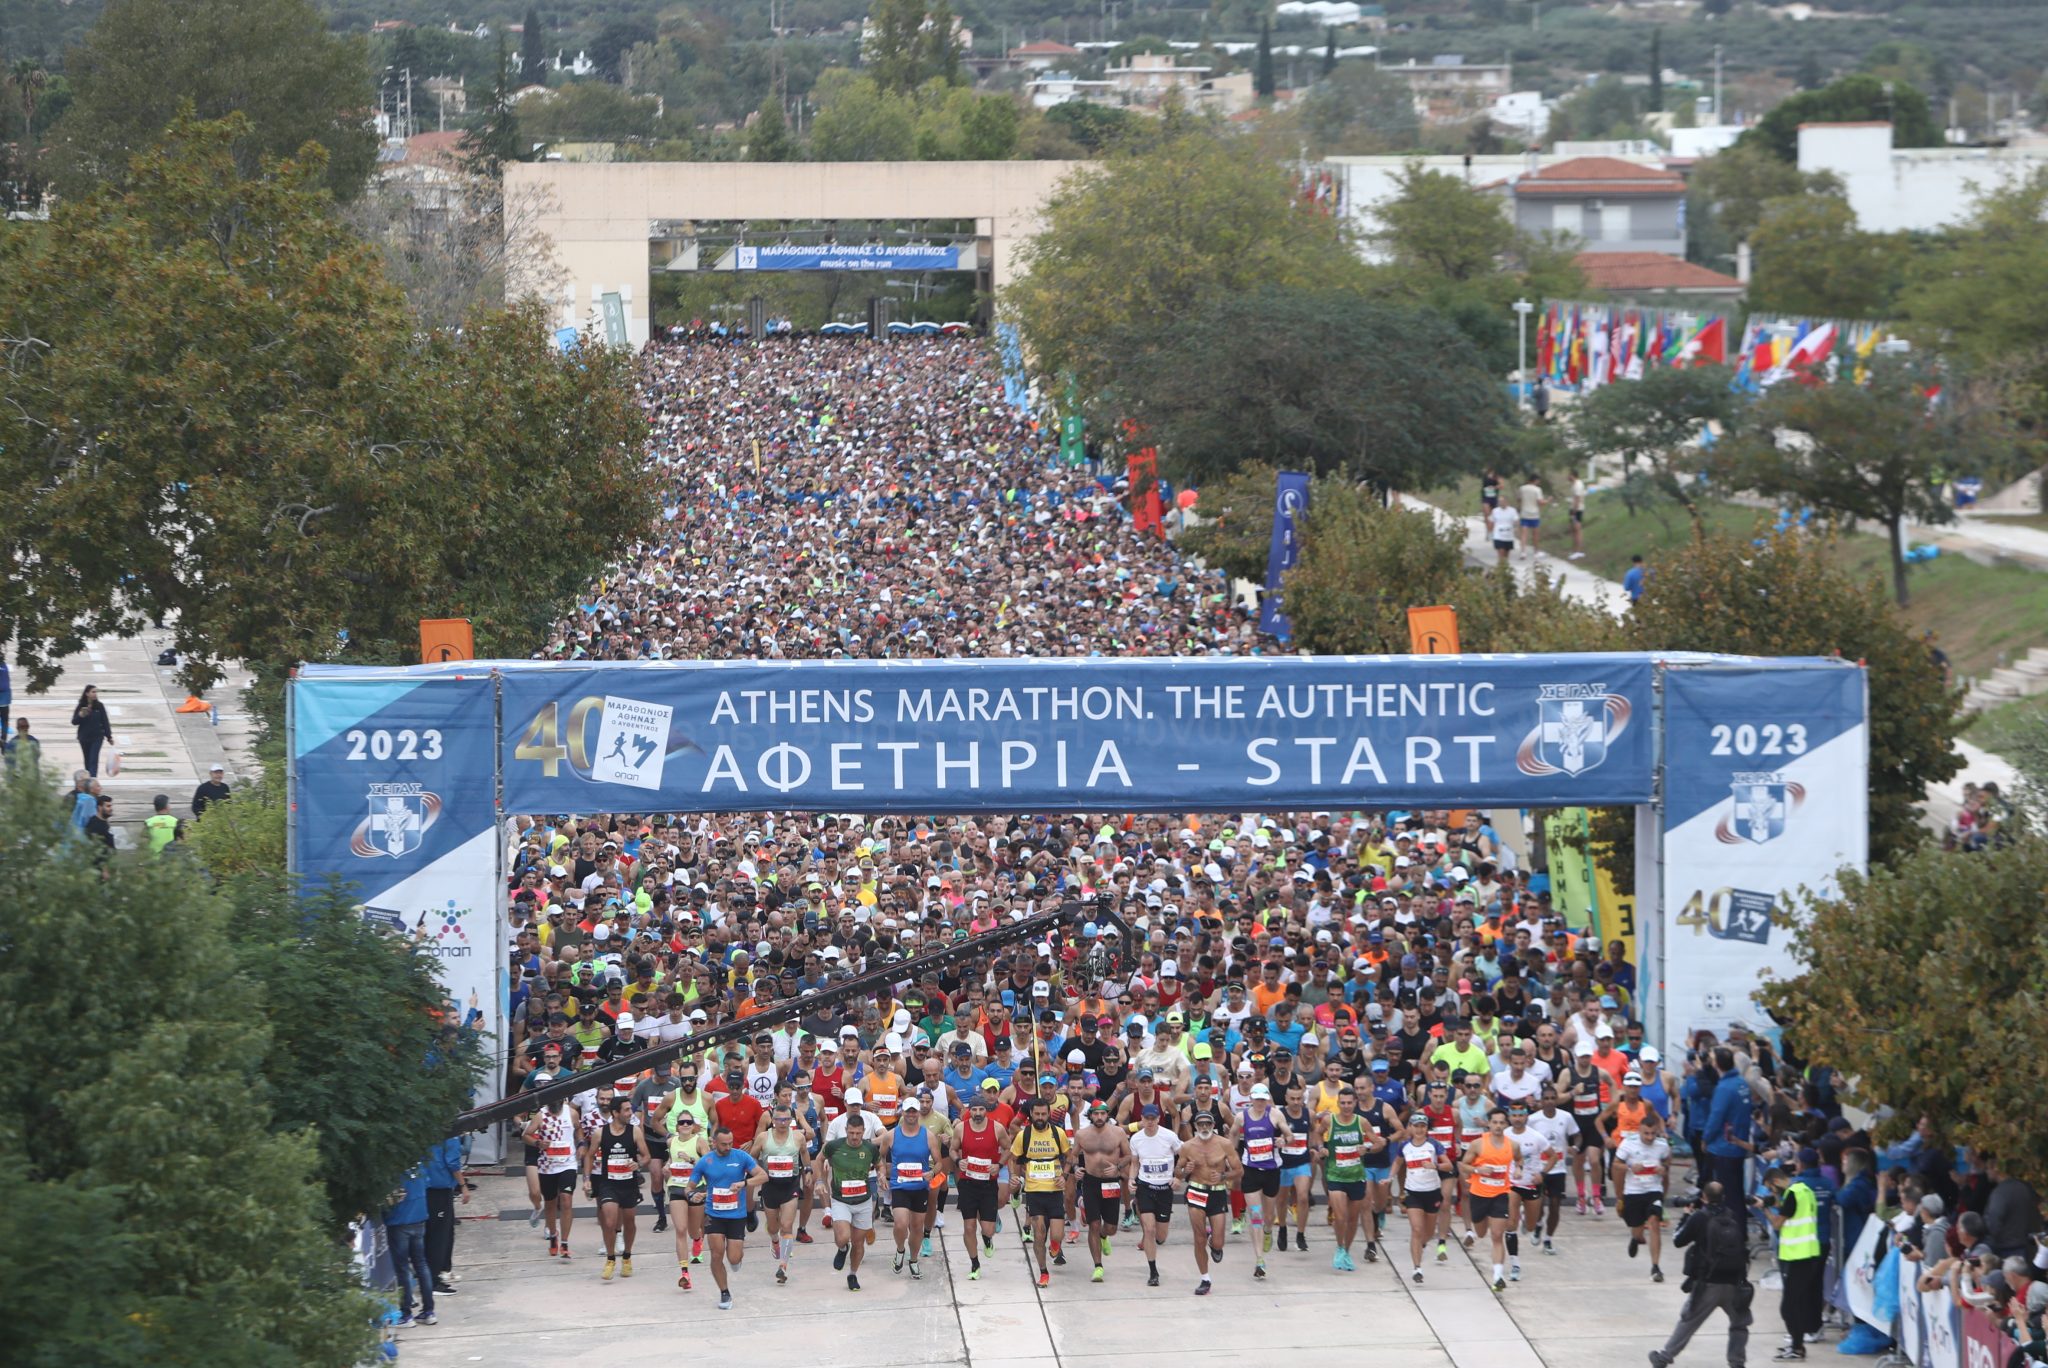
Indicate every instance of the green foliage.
{"type": "Point", "coordinates": [1435, 223]}
{"type": "Point", "coordinates": [610, 51]}
{"type": "Point", "coordinates": [355, 1017]}
{"type": "Point", "coordinates": [1922, 984]}
{"type": "Point", "coordinates": [1726, 194]}
{"type": "Point", "coordinates": [533, 49]}
{"type": "Point", "coordinates": [1652, 424]}
{"type": "Point", "coordinates": [592, 111]}
{"type": "Point", "coordinates": [1263, 82]}
{"type": "Point", "coordinates": [271, 61]}
{"type": "Point", "coordinates": [1811, 259]}
{"type": "Point", "coordinates": [1315, 380]}
{"type": "Point", "coordinates": [858, 120]}
{"type": "Point", "coordinates": [1364, 565]}
{"type": "Point", "coordinates": [1094, 128]}
{"type": "Point", "coordinates": [147, 1148]}
{"type": "Point", "coordinates": [1975, 298]}
{"type": "Point", "coordinates": [1605, 109]}
{"type": "Point", "coordinates": [1358, 109]}
{"type": "Point", "coordinates": [1237, 530]}
{"type": "Point", "coordinates": [494, 136]}
{"type": "Point", "coordinates": [1789, 597]}
{"type": "Point", "coordinates": [243, 836]}
{"type": "Point", "coordinates": [1155, 231]}
{"type": "Point", "coordinates": [909, 43]}
{"type": "Point", "coordinates": [1876, 451]}
{"type": "Point", "coordinates": [209, 371]}
{"type": "Point", "coordinates": [1852, 99]}
{"type": "Point", "coordinates": [768, 139]}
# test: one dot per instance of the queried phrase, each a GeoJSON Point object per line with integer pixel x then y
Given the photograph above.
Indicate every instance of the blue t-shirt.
{"type": "Point", "coordinates": [725, 1179]}
{"type": "Point", "coordinates": [1288, 1037]}
{"type": "Point", "coordinates": [1633, 582]}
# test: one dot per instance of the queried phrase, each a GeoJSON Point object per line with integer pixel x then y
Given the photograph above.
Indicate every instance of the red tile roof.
{"type": "Point", "coordinates": [1045, 48]}
{"type": "Point", "coordinates": [1605, 176]}
{"type": "Point", "coordinates": [1623, 272]}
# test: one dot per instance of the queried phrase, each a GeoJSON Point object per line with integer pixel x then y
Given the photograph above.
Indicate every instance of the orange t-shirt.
{"type": "Point", "coordinates": [1493, 1159]}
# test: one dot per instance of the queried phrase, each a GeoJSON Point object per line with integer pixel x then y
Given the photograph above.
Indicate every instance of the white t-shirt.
{"type": "Point", "coordinates": [1502, 521]}
{"type": "Point", "coordinates": [1418, 1166]}
{"type": "Point", "coordinates": [1531, 497]}
{"type": "Point", "coordinates": [1508, 1088]}
{"type": "Point", "coordinates": [1557, 1131]}
{"type": "Point", "coordinates": [1644, 1162]}
{"type": "Point", "coordinates": [1156, 1154]}
{"type": "Point", "coordinates": [1530, 1147]}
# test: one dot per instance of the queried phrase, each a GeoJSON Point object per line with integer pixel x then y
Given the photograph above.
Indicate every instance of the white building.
{"type": "Point", "coordinates": [1905, 189]}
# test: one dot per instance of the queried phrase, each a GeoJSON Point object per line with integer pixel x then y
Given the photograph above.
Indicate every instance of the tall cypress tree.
{"type": "Point", "coordinates": [1656, 69]}
{"type": "Point", "coordinates": [1263, 83]}
{"type": "Point", "coordinates": [533, 51]}
{"type": "Point", "coordinates": [1330, 52]}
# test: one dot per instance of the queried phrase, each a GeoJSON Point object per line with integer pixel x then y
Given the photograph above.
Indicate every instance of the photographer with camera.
{"type": "Point", "coordinates": [1716, 1277]}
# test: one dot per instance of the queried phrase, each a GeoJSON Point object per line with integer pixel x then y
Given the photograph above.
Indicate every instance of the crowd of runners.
{"type": "Point", "coordinates": [1363, 1029]}
{"type": "Point", "coordinates": [1327, 1038]}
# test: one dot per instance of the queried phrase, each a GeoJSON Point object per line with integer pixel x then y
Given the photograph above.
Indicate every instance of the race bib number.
{"type": "Point", "coordinates": [828, 1111]}
{"type": "Point", "coordinates": [1421, 1165]}
{"type": "Point", "coordinates": [910, 1173]}
{"type": "Point", "coordinates": [725, 1200]}
{"type": "Point", "coordinates": [979, 1169]}
{"type": "Point", "coordinates": [781, 1166]}
{"type": "Point", "coordinates": [852, 1189]}
{"type": "Point", "coordinates": [616, 1167]}
{"type": "Point", "coordinates": [1155, 1171]}
{"type": "Point", "coordinates": [1350, 1154]}
{"type": "Point", "coordinates": [1647, 1171]}
{"type": "Point", "coordinates": [560, 1150]}
{"type": "Point", "coordinates": [1198, 1198]}
{"type": "Point", "coordinates": [1112, 1190]}
{"type": "Point", "coordinates": [1295, 1149]}
{"type": "Point", "coordinates": [1259, 1152]}
{"type": "Point", "coordinates": [1494, 1173]}
{"type": "Point", "coordinates": [1044, 1170]}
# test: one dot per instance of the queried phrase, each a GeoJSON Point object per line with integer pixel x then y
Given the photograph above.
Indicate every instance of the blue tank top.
{"type": "Point", "coordinates": [910, 1158]}
{"type": "Point", "coordinates": [1654, 1094]}
{"type": "Point", "coordinates": [1258, 1132]}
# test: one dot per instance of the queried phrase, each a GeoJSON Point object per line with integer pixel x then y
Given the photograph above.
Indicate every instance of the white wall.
{"type": "Point", "coordinates": [1915, 188]}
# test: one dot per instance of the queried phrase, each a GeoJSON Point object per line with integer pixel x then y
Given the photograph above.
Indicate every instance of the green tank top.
{"type": "Point", "coordinates": [1344, 1158]}
{"type": "Point", "coordinates": [782, 1158]}
{"type": "Point", "coordinates": [852, 1170]}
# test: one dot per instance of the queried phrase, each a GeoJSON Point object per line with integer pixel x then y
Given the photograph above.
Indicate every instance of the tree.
{"type": "Point", "coordinates": [858, 120]}
{"type": "Point", "coordinates": [1436, 222]}
{"type": "Point", "coordinates": [1334, 384]}
{"type": "Point", "coordinates": [1364, 565]}
{"type": "Point", "coordinates": [909, 42]}
{"type": "Point", "coordinates": [356, 1054]}
{"type": "Point", "coordinates": [406, 55]}
{"type": "Point", "coordinates": [1725, 198]}
{"type": "Point", "coordinates": [493, 136]}
{"type": "Point", "coordinates": [1810, 75]}
{"type": "Point", "coordinates": [1788, 595]}
{"type": "Point", "coordinates": [1812, 259]}
{"type": "Point", "coordinates": [1094, 128]}
{"type": "Point", "coordinates": [1263, 82]}
{"type": "Point", "coordinates": [1653, 425]}
{"type": "Point", "coordinates": [1852, 99]}
{"type": "Point", "coordinates": [989, 128]}
{"type": "Point", "coordinates": [1975, 296]}
{"type": "Point", "coordinates": [1236, 531]}
{"type": "Point", "coordinates": [1876, 451]}
{"type": "Point", "coordinates": [610, 49]}
{"type": "Point", "coordinates": [1329, 52]}
{"type": "Point", "coordinates": [768, 140]}
{"type": "Point", "coordinates": [271, 61]}
{"type": "Point", "coordinates": [355, 473]}
{"type": "Point", "coordinates": [938, 45]}
{"type": "Point", "coordinates": [1155, 230]}
{"type": "Point", "coordinates": [1656, 70]}
{"type": "Point", "coordinates": [1359, 109]}
{"type": "Point", "coordinates": [533, 50]}
{"type": "Point", "coordinates": [148, 1143]}
{"type": "Point", "coordinates": [453, 240]}
{"type": "Point", "coordinates": [1921, 981]}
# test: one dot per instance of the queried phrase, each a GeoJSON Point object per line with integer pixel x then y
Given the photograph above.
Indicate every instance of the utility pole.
{"type": "Point", "coordinates": [1522, 308]}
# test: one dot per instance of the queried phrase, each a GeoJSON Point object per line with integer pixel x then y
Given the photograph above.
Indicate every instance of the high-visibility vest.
{"type": "Point", "coordinates": [162, 830]}
{"type": "Point", "coordinates": [1799, 1237]}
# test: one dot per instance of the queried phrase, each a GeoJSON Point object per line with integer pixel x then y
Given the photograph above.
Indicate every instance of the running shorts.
{"type": "Point", "coordinates": [1293, 1173]}
{"type": "Point", "coordinates": [1432, 1200]}
{"type": "Point", "coordinates": [1155, 1200]}
{"type": "Point", "coordinates": [979, 1199]}
{"type": "Point", "coordinates": [1209, 1201]}
{"type": "Point", "coordinates": [910, 1199]}
{"type": "Point", "coordinates": [857, 1217]}
{"type": "Point", "coordinates": [778, 1192]}
{"type": "Point", "coordinates": [1052, 1206]}
{"type": "Point", "coordinates": [1354, 1189]}
{"type": "Point", "coordinates": [624, 1193]}
{"type": "Point", "coordinates": [1639, 1207]}
{"type": "Point", "coordinates": [1098, 1205]}
{"type": "Point", "coordinates": [1488, 1208]}
{"type": "Point", "coordinates": [1266, 1181]}
{"type": "Point", "coordinates": [1553, 1184]}
{"type": "Point", "coordinates": [553, 1185]}
{"type": "Point", "coordinates": [733, 1228]}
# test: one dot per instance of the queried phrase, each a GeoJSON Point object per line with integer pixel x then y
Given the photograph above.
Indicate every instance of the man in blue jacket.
{"type": "Point", "coordinates": [1727, 1131]}
{"type": "Point", "coordinates": [443, 1167]}
{"type": "Point", "coordinates": [405, 1225]}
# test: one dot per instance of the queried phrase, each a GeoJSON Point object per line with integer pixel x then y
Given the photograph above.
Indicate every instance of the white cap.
{"type": "Point", "coordinates": [1170, 969]}
{"type": "Point", "coordinates": [1311, 1039]}
{"type": "Point", "coordinates": [625, 1021]}
{"type": "Point", "coordinates": [893, 1043]}
{"type": "Point", "coordinates": [853, 1097]}
{"type": "Point", "coordinates": [1041, 989]}
{"type": "Point", "coordinates": [1631, 1079]}
{"type": "Point", "coordinates": [1648, 1054]}
{"type": "Point", "coordinates": [1260, 1090]}
{"type": "Point", "coordinates": [827, 1046]}
{"type": "Point", "coordinates": [1603, 1032]}
{"type": "Point", "coordinates": [912, 1104]}
{"type": "Point", "coordinates": [1076, 1057]}
{"type": "Point", "coordinates": [557, 872]}
{"type": "Point", "coordinates": [901, 1021]}
{"type": "Point", "coordinates": [848, 1030]}
{"type": "Point", "coordinates": [602, 932]}
{"type": "Point", "coordinates": [1583, 1048]}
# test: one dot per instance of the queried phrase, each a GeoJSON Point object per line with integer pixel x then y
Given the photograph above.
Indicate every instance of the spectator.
{"type": "Point", "coordinates": [95, 729]}
{"type": "Point", "coordinates": [214, 790]}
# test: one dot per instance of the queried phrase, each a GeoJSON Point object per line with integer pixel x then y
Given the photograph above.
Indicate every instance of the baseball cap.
{"type": "Point", "coordinates": [990, 1085]}
{"type": "Point", "coordinates": [1649, 1055]}
{"type": "Point", "coordinates": [1076, 1057]}
{"type": "Point", "coordinates": [1631, 1079]}
{"type": "Point", "coordinates": [1260, 1090]}
{"type": "Point", "coordinates": [912, 1104]}
{"type": "Point", "coordinates": [625, 1021]}
{"type": "Point", "coordinates": [853, 1097]}
{"type": "Point", "coordinates": [1379, 1066]}
{"type": "Point", "coordinates": [1204, 1052]}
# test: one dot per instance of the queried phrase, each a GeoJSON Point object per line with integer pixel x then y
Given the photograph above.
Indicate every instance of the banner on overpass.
{"type": "Point", "coordinates": [1145, 735]}
{"type": "Point", "coordinates": [849, 256]}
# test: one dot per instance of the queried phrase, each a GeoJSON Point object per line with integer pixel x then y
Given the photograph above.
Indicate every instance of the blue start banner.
{"type": "Point", "coordinates": [847, 256]}
{"type": "Point", "coordinates": [1149, 735]}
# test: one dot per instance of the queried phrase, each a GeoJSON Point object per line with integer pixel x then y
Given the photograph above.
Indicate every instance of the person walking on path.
{"type": "Point", "coordinates": [1716, 1278]}
{"type": "Point", "coordinates": [95, 728]}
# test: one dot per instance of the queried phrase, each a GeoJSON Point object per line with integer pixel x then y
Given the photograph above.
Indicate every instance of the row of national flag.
{"type": "Point", "coordinates": [1580, 347]}
{"type": "Point", "coordinates": [1584, 346]}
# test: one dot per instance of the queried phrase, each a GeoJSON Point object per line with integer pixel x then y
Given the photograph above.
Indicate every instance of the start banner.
{"type": "Point", "coordinates": [1133, 735]}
